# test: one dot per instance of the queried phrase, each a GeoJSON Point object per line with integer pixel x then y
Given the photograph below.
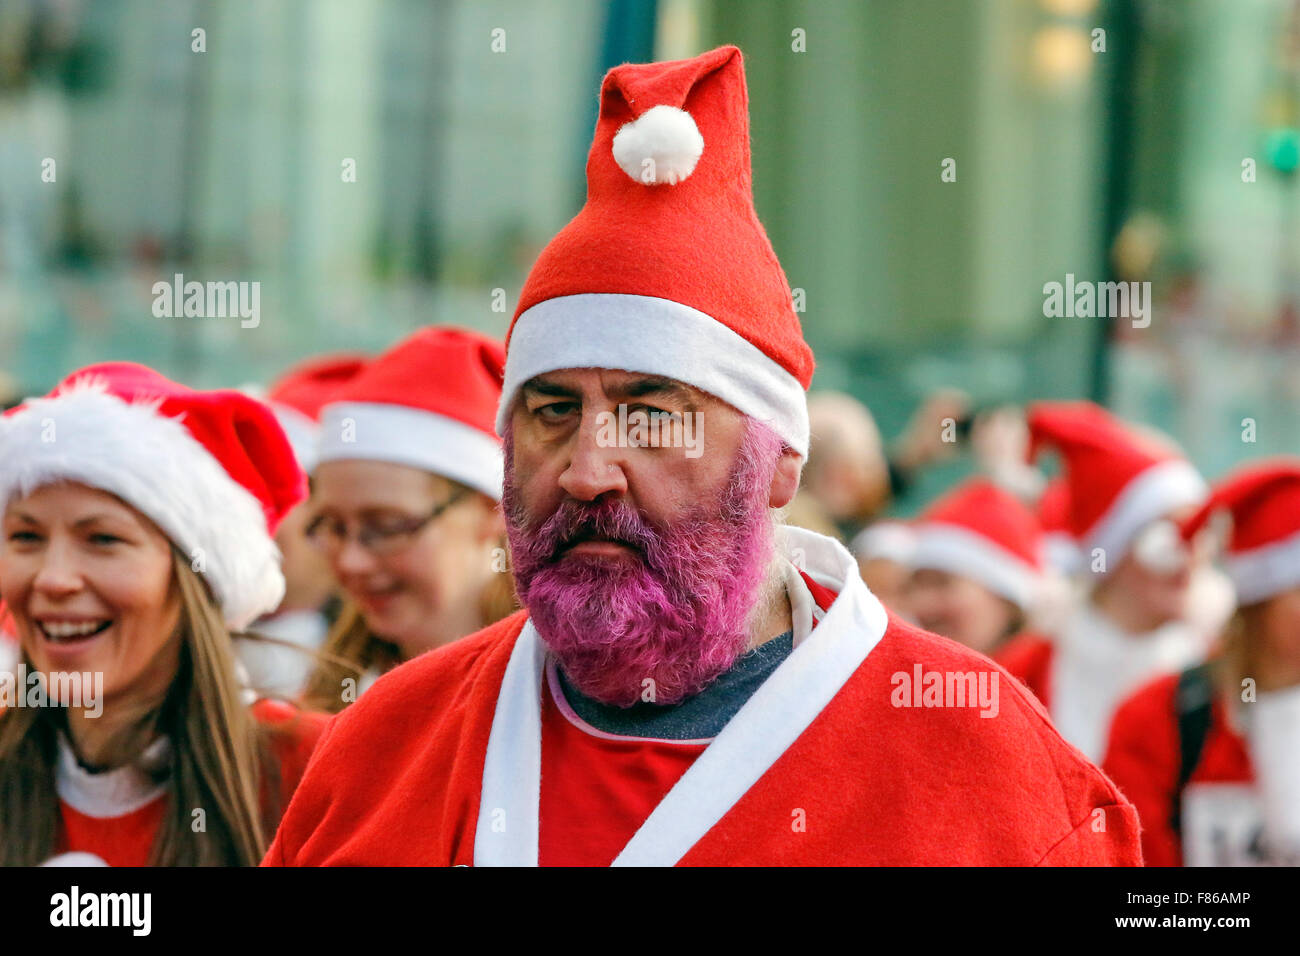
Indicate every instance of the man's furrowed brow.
{"type": "Point", "coordinates": [659, 387]}
{"type": "Point", "coordinates": [543, 387]}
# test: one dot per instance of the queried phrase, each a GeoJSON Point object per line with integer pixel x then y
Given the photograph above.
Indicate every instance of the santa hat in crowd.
{"type": "Point", "coordinates": [427, 403]}
{"type": "Point", "coordinates": [1118, 480]}
{"type": "Point", "coordinates": [1262, 556]}
{"type": "Point", "coordinates": [982, 532]}
{"type": "Point", "coordinates": [213, 470]}
{"type": "Point", "coordinates": [666, 270]}
{"type": "Point", "coordinates": [298, 396]}
{"type": "Point", "coordinates": [888, 540]}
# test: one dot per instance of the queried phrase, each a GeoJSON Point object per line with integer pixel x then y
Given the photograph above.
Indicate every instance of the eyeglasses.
{"type": "Point", "coordinates": [378, 537]}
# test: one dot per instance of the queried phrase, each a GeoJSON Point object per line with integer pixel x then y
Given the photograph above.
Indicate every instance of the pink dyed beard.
{"type": "Point", "coordinates": [678, 612]}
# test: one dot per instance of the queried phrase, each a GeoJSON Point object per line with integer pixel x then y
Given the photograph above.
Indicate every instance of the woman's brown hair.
{"type": "Point", "coordinates": [222, 759]}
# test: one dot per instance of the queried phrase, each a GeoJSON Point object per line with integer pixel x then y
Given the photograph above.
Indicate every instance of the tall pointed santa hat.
{"type": "Point", "coordinates": [428, 402]}
{"type": "Point", "coordinates": [298, 396]}
{"type": "Point", "coordinates": [1263, 551]}
{"type": "Point", "coordinates": [666, 270]}
{"type": "Point", "coordinates": [1119, 480]}
{"type": "Point", "coordinates": [213, 470]}
{"type": "Point", "coordinates": [982, 532]}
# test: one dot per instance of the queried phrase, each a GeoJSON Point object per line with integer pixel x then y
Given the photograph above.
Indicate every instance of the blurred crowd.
{"type": "Point", "coordinates": [1155, 617]}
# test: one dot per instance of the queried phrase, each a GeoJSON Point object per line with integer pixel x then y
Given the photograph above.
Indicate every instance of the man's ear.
{"type": "Point", "coordinates": [785, 481]}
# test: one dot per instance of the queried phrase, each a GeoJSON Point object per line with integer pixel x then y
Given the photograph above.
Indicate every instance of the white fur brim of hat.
{"type": "Point", "coordinates": [1153, 494]}
{"type": "Point", "coordinates": [402, 435]}
{"type": "Point", "coordinates": [87, 435]}
{"type": "Point", "coordinates": [639, 333]}
{"type": "Point", "coordinates": [946, 547]}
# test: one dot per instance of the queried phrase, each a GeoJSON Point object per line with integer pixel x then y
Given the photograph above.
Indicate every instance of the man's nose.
{"type": "Point", "coordinates": [594, 469]}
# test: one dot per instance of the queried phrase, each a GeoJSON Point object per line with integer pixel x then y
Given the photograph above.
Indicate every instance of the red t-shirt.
{"type": "Point", "coordinates": [598, 788]}
{"type": "Point", "coordinates": [127, 840]}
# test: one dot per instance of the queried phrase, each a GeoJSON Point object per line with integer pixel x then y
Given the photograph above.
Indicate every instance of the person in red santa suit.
{"type": "Point", "coordinates": [137, 535]}
{"type": "Point", "coordinates": [977, 566]}
{"type": "Point", "coordinates": [689, 683]}
{"type": "Point", "coordinates": [1211, 756]}
{"type": "Point", "coordinates": [405, 509]}
{"type": "Point", "coordinates": [297, 628]}
{"type": "Point", "coordinates": [1129, 622]}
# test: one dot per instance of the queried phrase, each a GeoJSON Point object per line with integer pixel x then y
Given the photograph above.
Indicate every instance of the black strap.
{"type": "Point", "coordinates": [1192, 703]}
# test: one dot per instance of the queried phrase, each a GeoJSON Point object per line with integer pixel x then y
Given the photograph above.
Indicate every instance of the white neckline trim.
{"type": "Point", "coordinates": [573, 717]}
{"type": "Point", "coordinates": [764, 728]}
{"type": "Point", "coordinates": [112, 793]}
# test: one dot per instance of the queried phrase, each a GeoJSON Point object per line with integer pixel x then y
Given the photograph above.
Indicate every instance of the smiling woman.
{"type": "Point", "coordinates": [108, 567]}
{"type": "Point", "coordinates": [405, 507]}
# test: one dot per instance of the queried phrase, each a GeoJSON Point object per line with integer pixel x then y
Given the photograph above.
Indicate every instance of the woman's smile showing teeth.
{"type": "Point", "coordinates": [65, 631]}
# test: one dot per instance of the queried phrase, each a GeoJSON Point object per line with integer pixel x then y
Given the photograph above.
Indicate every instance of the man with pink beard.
{"type": "Point", "coordinates": [689, 682]}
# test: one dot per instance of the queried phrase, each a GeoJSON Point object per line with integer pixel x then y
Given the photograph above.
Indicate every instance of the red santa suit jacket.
{"type": "Point", "coordinates": [115, 815]}
{"type": "Point", "coordinates": [839, 757]}
{"type": "Point", "coordinates": [1219, 808]}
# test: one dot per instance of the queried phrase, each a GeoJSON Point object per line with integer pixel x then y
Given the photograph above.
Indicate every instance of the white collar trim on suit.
{"type": "Point", "coordinates": [110, 793]}
{"type": "Point", "coordinates": [764, 728]}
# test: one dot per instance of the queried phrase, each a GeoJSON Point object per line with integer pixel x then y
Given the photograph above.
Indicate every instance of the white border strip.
{"type": "Point", "coordinates": [1160, 489]}
{"type": "Point", "coordinates": [960, 551]}
{"type": "Point", "coordinates": [638, 333]}
{"type": "Point", "coordinates": [1263, 572]}
{"type": "Point", "coordinates": [510, 798]}
{"type": "Point", "coordinates": [413, 437]}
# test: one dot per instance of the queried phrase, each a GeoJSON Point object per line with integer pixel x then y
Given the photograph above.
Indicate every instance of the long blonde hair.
{"type": "Point", "coordinates": [222, 759]}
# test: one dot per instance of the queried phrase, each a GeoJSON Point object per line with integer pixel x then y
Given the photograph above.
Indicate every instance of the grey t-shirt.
{"type": "Point", "coordinates": [696, 718]}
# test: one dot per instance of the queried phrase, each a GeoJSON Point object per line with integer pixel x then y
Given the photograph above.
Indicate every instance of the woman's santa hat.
{"type": "Point", "coordinates": [1263, 551]}
{"type": "Point", "coordinates": [213, 470]}
{"type": "Point", "coordinates": [666, 270]}
{"type": "Point", "coordinates": [427, 403]}
{"type": "Point", "coordinates": [298, 396]}
{"type": "Point", "coordinates": [981, 532]}
{"type": "Point", "coordinates": [1118, 479]}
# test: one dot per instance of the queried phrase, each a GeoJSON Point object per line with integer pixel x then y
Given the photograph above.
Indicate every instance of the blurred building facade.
{"type": "Point", "coordinates": [466, 123]}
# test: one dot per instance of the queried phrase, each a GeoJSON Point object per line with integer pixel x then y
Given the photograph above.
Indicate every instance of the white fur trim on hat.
{"type": "Point", "coordinates": [86, 434]}
{"type": "Point", "coordinates": [1154, 493]}
{"type": "Point", "coordinates": [1260, 573]}
{"type": "Point", "coordinates": [661, 146]}
{"type": "Point", "coordinates": [653, 336]}
{"type": "Point", "coordinates": [401, 435]}
{"type": "Point", "coordinates": [945, 547]}
{"type": "Point", "coordinates": [301, 432]}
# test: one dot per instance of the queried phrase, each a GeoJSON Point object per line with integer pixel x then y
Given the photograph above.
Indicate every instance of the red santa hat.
{"type": "Point", "coordinates": [213, 470]}
{"type": "Point", "coordinates": [982, 532]}
{"type": "Point", "coordinates": [1118, 479]}
{"type": "Point", "coordinates": [666, 270]}
{"type": "Point", "coordinates": [1263, 551]}
{"type": "Point", "coordinates": [427, 403]}
{"type": "Point", "coordinates": [1060, 549]}
{"type": "Point", "coordinates": [298, 396]}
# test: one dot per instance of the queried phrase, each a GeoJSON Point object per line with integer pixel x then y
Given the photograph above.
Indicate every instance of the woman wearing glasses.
{"type": "Point", "coordinates": [138, 517]}
{"type": "Point", "coordinates": [405, 507]}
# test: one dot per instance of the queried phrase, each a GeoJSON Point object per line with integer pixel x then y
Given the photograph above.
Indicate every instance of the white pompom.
{"type": "Point", "coordinates": [662, 145]}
